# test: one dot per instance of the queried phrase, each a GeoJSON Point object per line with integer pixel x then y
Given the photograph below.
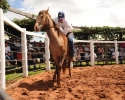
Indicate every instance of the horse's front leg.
{"type": "Point", "coordinates": [69, 68]}
{"type": "Point", "coordinates": [58, 76]}
{"type": "Point", "coordinates": [54, 76]}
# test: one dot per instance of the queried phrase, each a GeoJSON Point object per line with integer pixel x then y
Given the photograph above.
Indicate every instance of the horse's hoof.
{"type": "Point", "coordinates": [54, 80]}
{"type": "Point", "coordinates": [59, 86]}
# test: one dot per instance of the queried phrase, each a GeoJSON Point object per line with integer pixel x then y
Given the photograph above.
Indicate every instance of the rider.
{"type": "Point", "coordinates": [65, 27]}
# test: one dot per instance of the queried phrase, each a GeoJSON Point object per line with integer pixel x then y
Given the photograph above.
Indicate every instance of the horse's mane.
{"type": "Point", "coordinates": [58, 31]}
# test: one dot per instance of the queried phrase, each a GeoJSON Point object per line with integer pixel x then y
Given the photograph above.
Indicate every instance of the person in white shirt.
{"type": "Point", "coordinates": [88, 56]}
{"type": "Point", "coordinates": [7, 48]}
{"type": "Point", "coordinates": [65, 27]}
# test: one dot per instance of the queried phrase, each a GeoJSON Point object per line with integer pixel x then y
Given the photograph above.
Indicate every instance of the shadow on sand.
{"type": "Point", "coordinates": [39, 85]}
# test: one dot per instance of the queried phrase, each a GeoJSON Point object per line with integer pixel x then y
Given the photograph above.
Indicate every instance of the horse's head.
{"type": "Point", "coordinates": [42, 20]}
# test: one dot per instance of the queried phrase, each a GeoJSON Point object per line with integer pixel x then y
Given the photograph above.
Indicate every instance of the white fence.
{"type": "Point", "coordinates": [24, 48]}
{"type": "Point", "coordinates": [92, 48]}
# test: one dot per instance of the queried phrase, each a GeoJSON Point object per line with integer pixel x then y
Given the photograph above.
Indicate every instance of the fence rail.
{"type": "Point", "coordinates": [24, 48]}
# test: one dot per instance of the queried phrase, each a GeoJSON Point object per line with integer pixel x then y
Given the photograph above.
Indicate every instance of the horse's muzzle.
{"type": "Point", "coordinates": [37, 27]}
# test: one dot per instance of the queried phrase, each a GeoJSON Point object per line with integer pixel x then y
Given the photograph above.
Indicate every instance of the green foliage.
{"type": "Point", "coordinates": [106, 32]}
{"type": "Point", "coordinates": [4, 5]}
{"type": "Point", "coordinates": [86, 33]}
{"type": "Point", "coordinates": [24, 23]}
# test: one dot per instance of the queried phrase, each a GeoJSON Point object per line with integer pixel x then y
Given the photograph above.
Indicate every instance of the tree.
{"type": "Point", "coordinates": [106, 32]}
{"type": "Point", "coordinates": [4, 5]}
{"type": "Point", "coordinates": [24, 23]}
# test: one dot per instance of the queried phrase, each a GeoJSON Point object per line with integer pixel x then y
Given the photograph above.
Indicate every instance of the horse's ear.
{"type": "Point", "coordinates": [47, 10]}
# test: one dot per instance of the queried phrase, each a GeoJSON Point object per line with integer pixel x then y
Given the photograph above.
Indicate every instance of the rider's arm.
{"type": "Point", "coordinates": [65, 30]}
{"type": "Point", "coordinates": [67, 27]}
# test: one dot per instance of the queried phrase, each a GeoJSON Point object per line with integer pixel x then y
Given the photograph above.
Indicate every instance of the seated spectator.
{"type": "Point", "coordinates": [111, 50]}
{"type": "Point", "coordinates": [75, 48]}
{"type": "Point", "coordinates": [42, 48]}
{"type": "Point", "coordinates": [95, 56]}
{"type": "Point", "coordinates": [78, 57]}
{"type": "Point", "coordinates": [19, 57]}
{"type": "Point", "coordinates": [11, 44]}
{"type": "Point", "coordinates": [121, 56]}
{"type": "Point", "coordinates": [31, 61]}
{"type": "Point", "coordinates": [82, 53]}
{"type": "Point", "coordinates": [13, 47]}
{"type": "Point", "coordinates": [10, 57]}
{"type": "Point", "coordinates": [114, 55]}
{"type": "Point", "coordinates": [40, 43]}
{"type": "Point", "coordinates": [34, 55]}
{"type": "Point", "coordinates": [40, 56]}
{"type": "Point", "coordinates": [17, 44]}
{"type": "Point", "coordinates": [29, 47]}
{"type": "Point", "coordinates": [87, 57]}
{"type": "Point", "coordinates": [87, 47]}
{"type": "Point", "coordinates": [100, 52]}
{"type": "Point", "coordinates": [7, 48]}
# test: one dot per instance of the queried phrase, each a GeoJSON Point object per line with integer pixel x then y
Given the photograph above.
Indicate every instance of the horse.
{"type": "Point", "coordinates": [58, 46]}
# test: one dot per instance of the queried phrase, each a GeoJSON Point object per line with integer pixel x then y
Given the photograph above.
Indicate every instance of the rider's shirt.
{"type": "Point", "coordinates": [65, 26]}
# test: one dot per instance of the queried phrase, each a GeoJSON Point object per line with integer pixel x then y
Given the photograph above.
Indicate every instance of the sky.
{"type": "Point", "coordinates": [78, 12]}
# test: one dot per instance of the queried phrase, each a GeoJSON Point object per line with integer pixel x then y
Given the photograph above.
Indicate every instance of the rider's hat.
{"type": "Point", "coordinates": [61, 15]}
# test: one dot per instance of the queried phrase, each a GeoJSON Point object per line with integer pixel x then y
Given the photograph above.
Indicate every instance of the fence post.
{"type": "Point", "coordinates": [47, 53]}
{"type": "Point", "coordinates": [92, 52]}
{"type": "Point", "coordinates": [71, 64]}
{"type": "Point", "coordinates": [2, 52]}
{"type": "Point", "coordinates": [116, 51]}
{"type": "Point", "coordinates": [24, 53]}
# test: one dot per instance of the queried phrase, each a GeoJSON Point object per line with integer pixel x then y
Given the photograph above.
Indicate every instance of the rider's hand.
{"type": "Point", "coordinates": [57, 27]}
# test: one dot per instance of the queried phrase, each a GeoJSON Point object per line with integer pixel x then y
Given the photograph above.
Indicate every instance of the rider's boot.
{"type": "Point", "coordinates": [71, 46]}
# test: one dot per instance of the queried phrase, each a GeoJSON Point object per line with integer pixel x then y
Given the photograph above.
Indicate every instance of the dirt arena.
{"type": "Point", "coordinates": [87, 83]}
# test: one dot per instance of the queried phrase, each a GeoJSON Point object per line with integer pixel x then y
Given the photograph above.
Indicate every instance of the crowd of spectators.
{"type": "Point", "coordinates": [13, 52]}
{"type": "Point", "coordinates": [101, 51]}
{"type": "Point", "coordinates": [36, 52]}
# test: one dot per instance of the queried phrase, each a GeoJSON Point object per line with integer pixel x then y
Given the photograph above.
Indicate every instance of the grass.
{"type": "Point", "coordinates": [15, 75]}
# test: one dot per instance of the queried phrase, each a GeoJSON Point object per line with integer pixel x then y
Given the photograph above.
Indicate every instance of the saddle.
{"type": "Point", "coordinates": [68, 34]}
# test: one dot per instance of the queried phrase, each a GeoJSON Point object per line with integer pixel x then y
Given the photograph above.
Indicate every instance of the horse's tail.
{"type": "Point", "coordinates": [64, 66]}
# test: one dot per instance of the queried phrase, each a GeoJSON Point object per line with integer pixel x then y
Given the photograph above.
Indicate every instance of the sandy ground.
{"type": "Point", "coordinates": [87, 83]}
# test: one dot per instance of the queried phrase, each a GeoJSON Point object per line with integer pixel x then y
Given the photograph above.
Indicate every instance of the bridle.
{"type": "Point", "coordinates": [45, 24]}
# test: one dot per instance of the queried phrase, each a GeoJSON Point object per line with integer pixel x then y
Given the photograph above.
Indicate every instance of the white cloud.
{"type": "Point", "coordinates": [12, 0]}
{"type": "Point", "coordinates": [82, 12]}
{"type": "Point", "coordinates": [11, 15]}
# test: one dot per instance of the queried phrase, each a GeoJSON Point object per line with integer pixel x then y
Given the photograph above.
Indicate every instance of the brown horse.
{"type": "Point", "coordinates": [59, 47]}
